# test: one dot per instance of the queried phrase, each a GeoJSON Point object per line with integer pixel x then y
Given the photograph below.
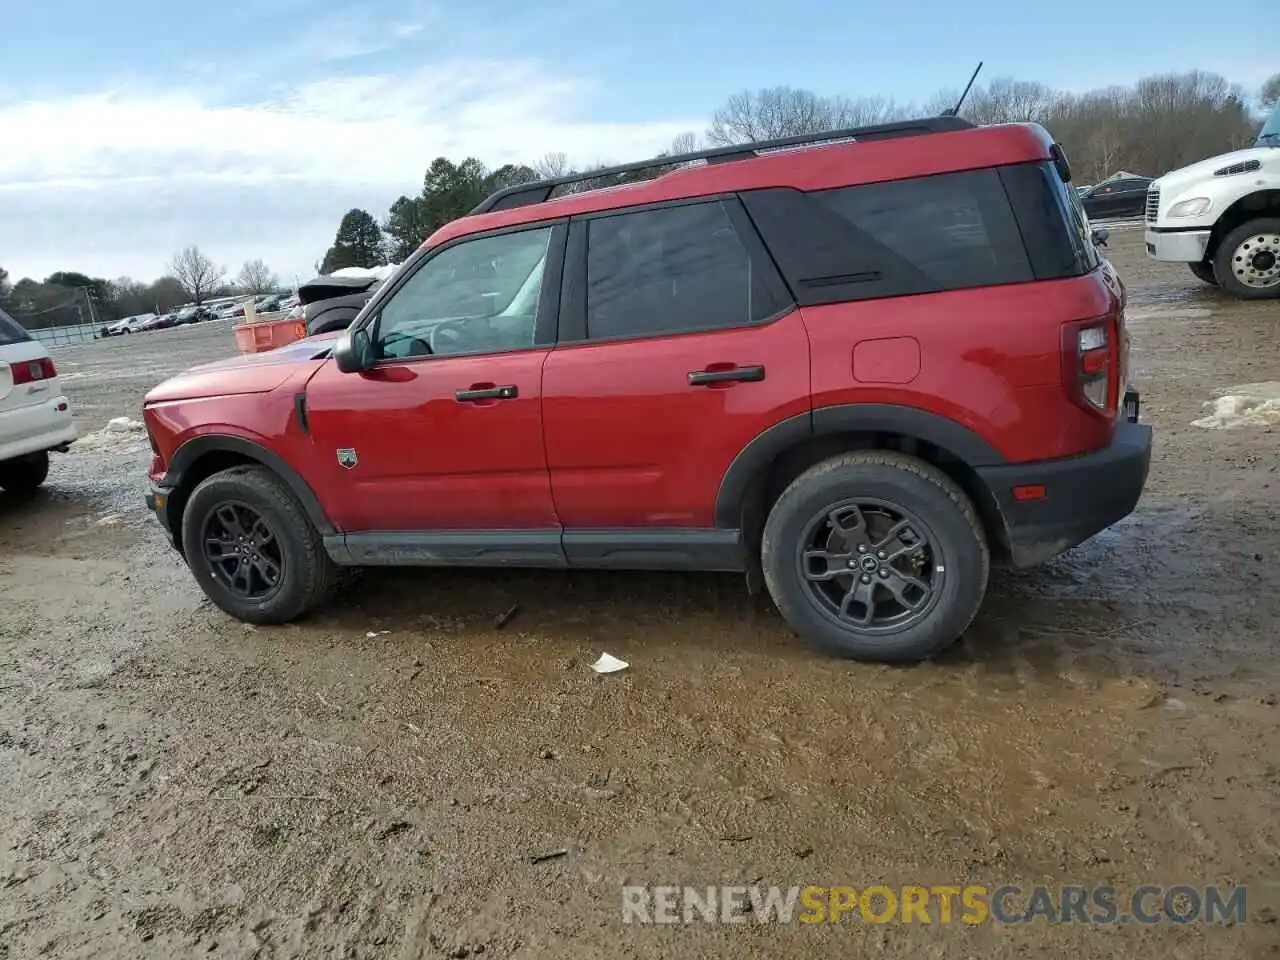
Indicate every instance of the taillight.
{"type": "Point", "coordinates": [1091, 355]}
{"type": "Point", "coordinates": [29, 371]}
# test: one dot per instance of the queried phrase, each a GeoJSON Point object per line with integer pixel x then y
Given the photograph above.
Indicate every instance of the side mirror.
{"type": "Point", "coordinates": [1100, 236]}
{"type": "Point", "coordinates": [354, 351]}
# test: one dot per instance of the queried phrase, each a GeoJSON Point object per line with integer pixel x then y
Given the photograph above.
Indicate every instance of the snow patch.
{"type": "Point", "coordinates": [1248, 405]}
{"type": "Point", "coordinates": [121, 434]}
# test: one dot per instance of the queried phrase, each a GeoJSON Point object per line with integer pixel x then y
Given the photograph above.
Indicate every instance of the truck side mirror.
{"type": "Point", "coordinates": [354, 351]}
{"type": "Point", "coordinates": [1100, 236]}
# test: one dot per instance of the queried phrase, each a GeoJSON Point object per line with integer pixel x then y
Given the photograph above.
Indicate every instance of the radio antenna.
{"type": "Point", "coordinates": [955, 111]}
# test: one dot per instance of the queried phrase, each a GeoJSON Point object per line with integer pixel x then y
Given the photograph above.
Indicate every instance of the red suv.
{"type": "Point", "coordinates": [856, 371]}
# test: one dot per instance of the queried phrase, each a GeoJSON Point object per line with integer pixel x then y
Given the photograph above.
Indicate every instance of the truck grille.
{"type": "Point", "coordinates": [1153, 204]}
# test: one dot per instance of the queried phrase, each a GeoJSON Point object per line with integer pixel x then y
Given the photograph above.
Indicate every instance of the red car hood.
{"type": "Point", "coordinates": [250, 373]}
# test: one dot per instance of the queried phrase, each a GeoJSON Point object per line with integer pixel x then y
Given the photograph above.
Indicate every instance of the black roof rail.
{"type": "Point", "coordinates": [539, 191]}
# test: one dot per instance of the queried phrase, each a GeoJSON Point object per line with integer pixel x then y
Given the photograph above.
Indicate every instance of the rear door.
{"type": "Point", "coordinates": [678, 345]}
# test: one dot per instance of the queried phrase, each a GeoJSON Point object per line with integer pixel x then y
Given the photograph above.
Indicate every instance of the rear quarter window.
{"type": "Point", "coordinates": [1052, 219]}
{"type": "Point", "coordinates": [921, 235]}
{"type": "Point", "coordinates": [11, 331]}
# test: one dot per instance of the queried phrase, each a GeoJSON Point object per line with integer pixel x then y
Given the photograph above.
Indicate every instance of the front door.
{"type": "Point", "coordinates": [445, 432]}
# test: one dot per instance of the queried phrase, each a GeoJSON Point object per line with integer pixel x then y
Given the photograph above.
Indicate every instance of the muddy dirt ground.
{"type": "Point", "coordinates": [374, 782]}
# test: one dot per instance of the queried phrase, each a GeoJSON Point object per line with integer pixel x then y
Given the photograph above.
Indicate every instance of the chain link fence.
{"type": "Point", "coordinates": [62, 315]}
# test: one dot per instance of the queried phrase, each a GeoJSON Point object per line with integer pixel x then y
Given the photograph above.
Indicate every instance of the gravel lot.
{"type": "Point", "coordinates": [374, 782]}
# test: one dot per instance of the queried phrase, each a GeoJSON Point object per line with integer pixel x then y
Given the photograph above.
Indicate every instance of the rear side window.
{"type": "Point", "coordinates": [671, 270]}
{"type": "Point", "coordinates": [921, 235]}
{"type": "Point", "coordinates": [1053, 221]}
{"type": "Point", "coordinates": [11, 331]}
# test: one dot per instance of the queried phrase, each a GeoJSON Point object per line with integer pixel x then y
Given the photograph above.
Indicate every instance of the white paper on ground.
{"type": "Point", "coordinates": [609, 664]}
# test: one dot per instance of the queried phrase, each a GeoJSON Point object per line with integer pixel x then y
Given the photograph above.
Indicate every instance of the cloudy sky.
{"type": "Point", "coordinates": [248, 127]}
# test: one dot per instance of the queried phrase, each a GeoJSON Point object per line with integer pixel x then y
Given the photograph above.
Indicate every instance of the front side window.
{"type": "Point", "coordinates": [670, 270]}
{"type": "Point", "coordinates": [479, 296]}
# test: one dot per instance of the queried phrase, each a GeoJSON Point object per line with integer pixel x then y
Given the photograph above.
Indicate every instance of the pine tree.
{"type": "Point", "coordinates": [358, 243]}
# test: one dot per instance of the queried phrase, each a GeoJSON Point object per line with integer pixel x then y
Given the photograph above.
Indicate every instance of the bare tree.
{"type": "Point", "coordinates": [786, 112]}
{"type": "Point", "coordinates": [256, 277]}
{"type": "Point", "coordinates": [686, 142]}
{"type": "Point", "coordinates": [1270, 92]}
{"type": "Point", "coordinates": [197, 273]}
{"type": "Point", "coordinates": [1009, 101]}
{"type": "Point", "coordinates": [552, 165]}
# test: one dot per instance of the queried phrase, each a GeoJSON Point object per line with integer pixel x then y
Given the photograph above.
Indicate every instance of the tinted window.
{"type": "Point", "coordinates": [11, 331]}
{"type": "Point", "coordinates": [1052, 220]}
{"type": "Point", "coordinates": [669, 270]}
{"type": "Point", "coordinates": [888, 239]}
{"type": "Point", "coordinates": [477, 296]}
{"type": "Point", "coordinates": [1130, 186]}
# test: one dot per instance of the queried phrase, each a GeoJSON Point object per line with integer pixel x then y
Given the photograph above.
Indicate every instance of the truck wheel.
{"type": "Point", "coordinates": [876, 556]}
{"type": "Point", "coordinates": [1248, 260]}
{"type": "Point", "coordinates": [1204, 271]}
{"type": "Point", "coordinates": [24, 474]}
{"type": "Point", "coordinates": [252, 548]}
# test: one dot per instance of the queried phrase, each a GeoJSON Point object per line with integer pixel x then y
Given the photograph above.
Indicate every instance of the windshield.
{"type": "Point", "coordinates": [1269, 135]}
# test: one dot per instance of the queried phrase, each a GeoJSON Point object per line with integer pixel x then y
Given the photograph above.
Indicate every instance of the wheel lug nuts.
{"type": "Point", "coordinates": [853, 563]}
{"type": "Point", "coordinates": [881, 554]}
{"type": "Point", "coordinates": [884, 573]}
{"type": "Point", "coordinates": [866, 578]}
{"type": "Point", "coordinates": [862, 548]}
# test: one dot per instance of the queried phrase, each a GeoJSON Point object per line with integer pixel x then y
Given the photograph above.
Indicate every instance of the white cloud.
{"type": "Point", "coordinates": [113, 182]}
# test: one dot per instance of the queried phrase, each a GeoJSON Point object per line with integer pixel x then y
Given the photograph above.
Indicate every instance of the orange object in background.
{"type": "Point", "coordinates": [257, 336]}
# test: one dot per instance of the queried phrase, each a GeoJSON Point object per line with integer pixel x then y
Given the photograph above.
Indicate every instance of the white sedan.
{"type": "Point", "coordinates": [34, 415]}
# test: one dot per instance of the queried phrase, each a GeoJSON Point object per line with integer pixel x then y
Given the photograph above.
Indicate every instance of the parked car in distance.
{"type": "Point", "coordinates": [228, 311]}
{"type": "Point", "coordinates": [35, 417]}
{"type": "Point", "coordinates": [128, 324]}
{"type": "Point", "coordinates": [1120, 197]}
{"type": "Point", "coordinates": [856, 372]}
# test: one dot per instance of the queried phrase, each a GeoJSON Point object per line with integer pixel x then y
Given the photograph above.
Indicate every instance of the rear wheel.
{"type": "Point", "coordinates": [24, 474]}
{"type": "Point", "coordinates": [1247, 263]}
{"type": "Point", "coordinates": [876, 556]}
{"type": "Point", "coordinates": [1204, 271]}
{"type": "Point", "coordinates": [253, 549]}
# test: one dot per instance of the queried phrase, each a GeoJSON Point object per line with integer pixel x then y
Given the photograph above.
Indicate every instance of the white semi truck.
{"type": "Point", "coordinates": [1221, 217]}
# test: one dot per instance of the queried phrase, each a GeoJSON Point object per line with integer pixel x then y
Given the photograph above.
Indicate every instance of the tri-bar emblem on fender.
{"type": "Point", "coordinates": [347, 458]}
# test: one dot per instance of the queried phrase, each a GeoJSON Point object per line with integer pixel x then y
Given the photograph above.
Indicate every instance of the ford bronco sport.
{"type": "Point", "coordinates": [856, 371]}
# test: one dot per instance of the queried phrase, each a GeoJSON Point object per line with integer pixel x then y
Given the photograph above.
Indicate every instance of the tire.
{"type": "Point", "coordinates": [1204, 272]}
{"type": "Point", "coordinates": [887, 485]}
{"type": "Point", "coordinates": [305, 571]}
{"type": "Point", "coordinates": [24, 474]}
{"type": "Point", "coordinates": [1253, 249]}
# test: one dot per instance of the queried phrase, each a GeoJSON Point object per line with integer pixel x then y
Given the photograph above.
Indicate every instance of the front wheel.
{"type": "Point", "coordinates": [1247, 263]}
{"type": "Point", "coordinates": [252, 548]}
{"type": "Point", "coordinates": [1204, 271]}
{"type": "Point", "coordinates": [876, 556]}
{"type": "Point", "coordinates": [24, 474]}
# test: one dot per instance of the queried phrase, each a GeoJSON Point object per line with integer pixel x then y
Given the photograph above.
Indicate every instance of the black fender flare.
{"type": "Point", "coordinates": [956, 439]}
{"type": "Point", "coordinates": [197, 447]}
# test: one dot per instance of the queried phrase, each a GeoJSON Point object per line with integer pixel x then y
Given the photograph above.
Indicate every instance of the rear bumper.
{"type": "Point", "coordinates": [35, 428]}
{"type": "Point", "coordinates": [1082, 495]}
{"type": "Point", "coordinates": [1185, 246]}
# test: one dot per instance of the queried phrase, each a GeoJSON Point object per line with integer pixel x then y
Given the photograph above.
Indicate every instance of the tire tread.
{"type": "Point", "coordinates": [859, 460]}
